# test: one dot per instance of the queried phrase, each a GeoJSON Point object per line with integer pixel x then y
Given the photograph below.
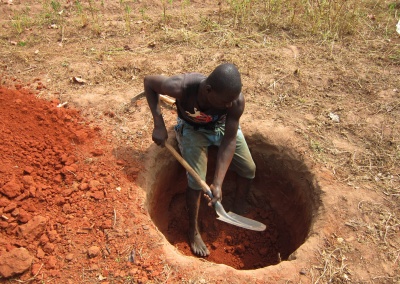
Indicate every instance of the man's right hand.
{"type": "Point", "coordinates": [160, 135]}
{"type": "Point", "coordinates": [217, 195]}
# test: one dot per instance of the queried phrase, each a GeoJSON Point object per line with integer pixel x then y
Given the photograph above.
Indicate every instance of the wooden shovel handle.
{"type": "Point", "coordinates": [192, 172]}
{"type": "Point", "coordinates": [169, 100]}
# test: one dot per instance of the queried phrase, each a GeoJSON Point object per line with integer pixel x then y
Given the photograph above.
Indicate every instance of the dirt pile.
{"type": "Point", "coordinates": [58, 185]}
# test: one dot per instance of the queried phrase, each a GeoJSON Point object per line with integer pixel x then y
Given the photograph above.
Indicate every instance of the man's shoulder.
{"type": "Point", "coordinates": [182, 82]}
{"type": "Point", "coordinates": [193, 78]}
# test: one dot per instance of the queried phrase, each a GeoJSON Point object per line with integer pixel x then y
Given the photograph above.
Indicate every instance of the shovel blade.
{"type": "Point", "coordinates": [255, 225]}
{"type": "Point", "coordinates": [237, 220]}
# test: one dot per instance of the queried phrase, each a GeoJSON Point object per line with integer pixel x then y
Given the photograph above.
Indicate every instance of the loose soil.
{"type": "Point", "coordinates": [78, 169]}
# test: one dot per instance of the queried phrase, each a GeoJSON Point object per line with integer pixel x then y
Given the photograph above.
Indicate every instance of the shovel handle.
{"type": "Point", "coordinates": [190, 170]}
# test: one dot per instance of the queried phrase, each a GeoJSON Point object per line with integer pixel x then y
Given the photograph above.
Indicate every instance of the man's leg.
{"type": "Point", "coordinates": [193, 203]}
{"type": "Point", "coordinates": [244, 166]}
{"type": "Point", "coordinates": [194, 149]}
{"type": "Point", "coordinates": [242, 189]}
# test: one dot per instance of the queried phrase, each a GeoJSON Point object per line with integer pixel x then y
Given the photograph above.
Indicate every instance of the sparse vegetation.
{"type": "Point", "coordinates": [84, 21]}
{"type": "Point", "coordinates": [321, 20]}
{"type": "Point", "coordinates": [21, 20]}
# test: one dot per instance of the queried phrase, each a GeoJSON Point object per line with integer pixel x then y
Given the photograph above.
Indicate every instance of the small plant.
{"type": "Point", "coordinates": [94, 12]}
{"type": "Point", "coordinates": [142, 12]}
{"type": "Point", "coordinates": [241, 9]}
{"type": "Point", "coordinates": [316, 146]}
{"type": "Point", "coordinates": [56, 6]}
{"type": "Point", "coordinates": [207, 24]}
{"type": "Point", "coordinates": [82, 14]}
{"type": "Point", "coordinates": [184, 5]}
{"type": "Point", "coordinates": [20, 21]}
{"type": "Point", "coordinates": [164, 5]}
{"type": "Point", "coordinates": [60, 16]}
{"type": "Point", "coordinates": [127, 18]}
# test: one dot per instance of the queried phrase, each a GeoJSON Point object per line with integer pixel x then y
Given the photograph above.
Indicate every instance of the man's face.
{"type": "Point", "coordinates": [221, 101]}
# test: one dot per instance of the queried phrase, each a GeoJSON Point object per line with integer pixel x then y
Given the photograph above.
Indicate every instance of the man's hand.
{"type": "Point", "coordinates": [160, 135]}
{"type": "Point", "coordinates": [217, 195]}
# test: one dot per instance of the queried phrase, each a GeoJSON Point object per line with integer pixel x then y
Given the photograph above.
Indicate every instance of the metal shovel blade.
{"type": "Point", "coordinates": [237, 220]}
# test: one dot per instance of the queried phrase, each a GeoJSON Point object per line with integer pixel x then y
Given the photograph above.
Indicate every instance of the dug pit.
{"type": "Point", "coordinates": [285, 196]}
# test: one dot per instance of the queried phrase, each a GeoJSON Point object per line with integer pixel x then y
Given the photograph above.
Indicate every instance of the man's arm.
{"type": "Point", "coordinates": [153, 86]}
{"type": "Point", "coordinates": [227, 147]}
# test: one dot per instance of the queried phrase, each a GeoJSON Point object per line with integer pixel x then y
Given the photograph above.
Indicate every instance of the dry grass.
{"type": "Point", "coordinates": [230, 23]}
{"type": "Point", "coordinates": [380, 230]}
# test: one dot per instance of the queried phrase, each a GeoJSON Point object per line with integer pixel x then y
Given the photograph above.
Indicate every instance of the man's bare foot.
{"type": "Point", "coordinates": [197, 245]}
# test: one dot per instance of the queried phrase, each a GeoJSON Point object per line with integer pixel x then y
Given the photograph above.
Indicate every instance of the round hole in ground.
{"type": "Point", "coordinates": [284, 196]}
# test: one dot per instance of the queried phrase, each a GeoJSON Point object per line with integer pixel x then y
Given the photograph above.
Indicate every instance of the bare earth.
{"type": "Point", "coordinates": [332, 105]}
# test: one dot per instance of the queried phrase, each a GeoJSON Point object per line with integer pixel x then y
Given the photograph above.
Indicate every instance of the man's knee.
{"type": "Point", "coordinates": [249, 172]}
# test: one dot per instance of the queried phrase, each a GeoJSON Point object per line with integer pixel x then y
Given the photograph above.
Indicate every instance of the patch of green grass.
{"type": "Point", "coordinates": [142, 12]}
{"type": "Point", "coordinates": [97, 24]}
{"type": "Point", "coordinates": [241, 11]}
{"type": "Point", "coordinates": [166, 17]}
{"type": "Point", "coordinates": [84, 21]}
{"type": "Point", "coordinates": [21, 20]}
{"type": "Point", "coordinates": [316, 146]}
{"type": "Point", "coordinates": [127, 18]}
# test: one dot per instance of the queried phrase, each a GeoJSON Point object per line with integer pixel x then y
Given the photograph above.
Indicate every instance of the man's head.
{"type": "Point", "coordinates": [224, 84]}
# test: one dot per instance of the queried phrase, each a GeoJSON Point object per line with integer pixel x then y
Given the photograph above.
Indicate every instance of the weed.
{"type": "Point", "coordinates": [53, 14]}
{"type": "Point", "coordinates": [241, 9]}
{"type": "Point", "coordinates": [127, 18]}
{"type": "Point", "coordinates": [208, 24]}
{"type": "Point", "coordinates": [184, 5]}
{"type": "Point", "coordinates": [142, 12]}
{"type": "Point", "coordinates": [164, 15]}
{"type": "Point", "coordinates": [82, 14]}
{"type": "Point", "coordinates": [316, 146]}
{"type": "Point", "coordinates": [94, 12]}
{"type": "Point", "coordinates": [21, 21]}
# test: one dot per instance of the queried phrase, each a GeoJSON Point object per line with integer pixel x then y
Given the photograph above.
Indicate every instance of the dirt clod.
{"type": "Point", "coordinates": [15, 262]}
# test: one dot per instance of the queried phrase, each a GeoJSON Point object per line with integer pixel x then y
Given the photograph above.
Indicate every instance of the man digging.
{"type": "Point", "coordinates": [209, 110]}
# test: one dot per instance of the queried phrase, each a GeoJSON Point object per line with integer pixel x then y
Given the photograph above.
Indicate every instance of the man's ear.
{"type": "Point", "coordinates": [208, 89]}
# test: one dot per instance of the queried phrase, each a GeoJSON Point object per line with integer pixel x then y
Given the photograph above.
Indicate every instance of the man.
{"type": "Point", "coordinates": [209, 110]}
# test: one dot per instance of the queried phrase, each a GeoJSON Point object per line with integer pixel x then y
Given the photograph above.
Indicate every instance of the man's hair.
{"type": "Point", "coordinates": [225, 79]}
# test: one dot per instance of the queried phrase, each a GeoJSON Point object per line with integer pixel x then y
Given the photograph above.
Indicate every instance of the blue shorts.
{"type": "Point", "coordinates": [194, 143]}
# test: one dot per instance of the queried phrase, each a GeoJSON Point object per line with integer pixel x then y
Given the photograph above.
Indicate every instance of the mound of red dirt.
{"type": "Point", "coordinates": [62, 197]}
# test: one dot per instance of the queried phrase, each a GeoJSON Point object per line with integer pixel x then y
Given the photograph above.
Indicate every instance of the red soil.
{"type": "Point", "coordinates": [59, 190]}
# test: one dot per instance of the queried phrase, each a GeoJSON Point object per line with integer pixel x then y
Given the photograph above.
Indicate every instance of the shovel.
{"type": "Point", "coordinates": [230, 217]}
